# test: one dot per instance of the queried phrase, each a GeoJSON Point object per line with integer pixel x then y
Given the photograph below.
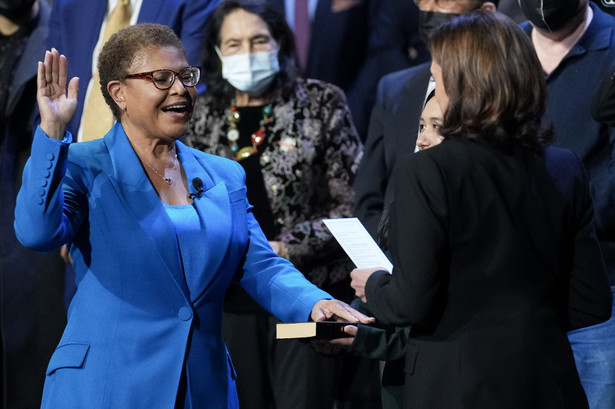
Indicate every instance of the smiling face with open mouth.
{"type": "Point", "coordinates": [156, 113]}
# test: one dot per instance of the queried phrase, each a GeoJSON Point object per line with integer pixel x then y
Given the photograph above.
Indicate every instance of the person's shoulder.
{"type": "Point", "coordinates": [205, 98]}
{"type": "Point", "coordinates": [601, 30]}
{"type": "Point", "coordinates": [566, 170]}
{"type": "Point", "coordinates": [451, 155]}
{"type": "Point", "coordinates": [87, 151]}
{"type": "Point", "coordinates": [561, 154]}
{"type": "Point", "coordinates": [222, 167]}
{"type": "Point", "coordinates": [396, 78]}
{"type": "Point", "coordinates": [210, 159]}
{"type": "Point", "coordinates": [600, 16]}
{"type": "Point", "coordinates": [526, 26]}
{"type": "Point", "coordinates": [310, 91]}
{"type": "Point", "coordinates": [204, 103]}
{"type": "Point", "coordinates": [450, 146]}
{"type": "Point", "coordinates": [319, 86]}
{"type": "Point", "coordinates": [398, 83]}
{"type": "Point", "coordinates": [562, 161]}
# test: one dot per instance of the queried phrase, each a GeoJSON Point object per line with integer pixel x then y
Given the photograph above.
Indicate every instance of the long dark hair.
{"type": "Point", "coordinates": [493, 78]}
{"type": "Point", "coordinates": [221, 91]}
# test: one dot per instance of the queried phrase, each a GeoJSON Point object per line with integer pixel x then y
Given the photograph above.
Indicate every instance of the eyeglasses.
{"type": "Point", "coordinates": [164, 79]}
{"type": "Point", "coordinates": [443, 4]}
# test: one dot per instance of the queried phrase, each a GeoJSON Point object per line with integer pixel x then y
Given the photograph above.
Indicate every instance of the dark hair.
{"type": "Point", "coordinates": [494, 81]}
{"type": "Point", "coordinates": [223, 92]}
{"type": "Point", "coordinates": [127, 45]}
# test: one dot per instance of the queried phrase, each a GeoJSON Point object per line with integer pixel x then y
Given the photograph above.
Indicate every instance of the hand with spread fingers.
{"type": "Point", "coordinates": [335, 310]}
{"type": "Point", "coordinates": [57, 105]}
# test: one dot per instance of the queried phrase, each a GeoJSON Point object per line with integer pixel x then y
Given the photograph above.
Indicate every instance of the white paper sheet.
{"type": "Point", "coordinates": [357, 243]}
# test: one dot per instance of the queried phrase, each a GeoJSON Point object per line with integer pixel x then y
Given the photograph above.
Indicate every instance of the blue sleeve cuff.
{"type": "Point", "coordinates": [68, 137]}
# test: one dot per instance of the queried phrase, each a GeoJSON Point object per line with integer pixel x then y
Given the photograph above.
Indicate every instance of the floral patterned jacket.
{"type": "Point", "coordinates": [308, 168]}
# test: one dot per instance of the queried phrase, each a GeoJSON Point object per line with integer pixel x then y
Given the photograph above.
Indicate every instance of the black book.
{"type": "Point", "coordinates": [319, 329]}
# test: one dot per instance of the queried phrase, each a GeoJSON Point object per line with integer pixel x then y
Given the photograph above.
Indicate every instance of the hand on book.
{"type": "Point", "coordinates": [336, 310]}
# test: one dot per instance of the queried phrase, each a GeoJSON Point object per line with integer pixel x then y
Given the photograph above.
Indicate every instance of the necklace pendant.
{"type": "Point", "coordinates": [168, 180]}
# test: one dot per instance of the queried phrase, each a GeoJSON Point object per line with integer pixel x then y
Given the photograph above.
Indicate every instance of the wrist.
{"type": "Point", "coordinates": [53, 130]}
{"type": "Point", "coordinates": [283, 252]}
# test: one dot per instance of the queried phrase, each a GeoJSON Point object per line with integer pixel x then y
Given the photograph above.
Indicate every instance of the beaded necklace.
{"type": "Point", "coordinates": [257, 138]}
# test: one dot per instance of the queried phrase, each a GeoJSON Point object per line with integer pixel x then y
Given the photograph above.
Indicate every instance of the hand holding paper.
{"type": "Point", "coordinates": [359, 277]}
{"type": "Point", "coordinates": [362, 250]}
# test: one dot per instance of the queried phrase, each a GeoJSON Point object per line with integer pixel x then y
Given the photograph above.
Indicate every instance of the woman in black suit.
{"type": "Point", "coordinates": [491, 235]}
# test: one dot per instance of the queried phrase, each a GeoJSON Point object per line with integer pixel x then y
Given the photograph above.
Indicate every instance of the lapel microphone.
{"type": "Point", "coordinates": [198, 185]}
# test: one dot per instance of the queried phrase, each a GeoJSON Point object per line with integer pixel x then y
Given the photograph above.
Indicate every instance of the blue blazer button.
{"type": "Point", "coordinates": [184, 313]}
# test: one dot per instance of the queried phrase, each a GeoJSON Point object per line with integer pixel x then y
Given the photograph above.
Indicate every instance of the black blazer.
{"type": "Point", "coordinates": [495, 259]}
{"type": "Point", "coordinates": [393, 129]}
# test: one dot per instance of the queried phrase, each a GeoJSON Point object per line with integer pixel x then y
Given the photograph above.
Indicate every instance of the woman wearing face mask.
{"type": "Point", "coordinates": [296, 141]}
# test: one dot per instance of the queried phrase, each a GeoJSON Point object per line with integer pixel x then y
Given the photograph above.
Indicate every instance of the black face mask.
{"type": "Point", "coordinates": [430, 20]}
{"type": "Point", "coordinates": [16, 10]}
{"type": "Point", "coordinates": [551, 15]}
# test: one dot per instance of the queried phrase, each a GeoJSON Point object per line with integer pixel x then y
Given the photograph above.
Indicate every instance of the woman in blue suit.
{"type": "Point", "coordinates": [153, 253]}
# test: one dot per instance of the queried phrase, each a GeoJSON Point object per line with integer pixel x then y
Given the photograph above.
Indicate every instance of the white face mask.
{"type": "Point", "coordinates": [250, 72]}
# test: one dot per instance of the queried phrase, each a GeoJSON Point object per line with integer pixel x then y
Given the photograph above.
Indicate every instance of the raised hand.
{"type": "Point", "coordinates": [57, 106]}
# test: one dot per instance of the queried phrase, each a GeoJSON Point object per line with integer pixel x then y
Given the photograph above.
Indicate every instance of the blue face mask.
{"type": "Point", "coordinates": [251, 73]}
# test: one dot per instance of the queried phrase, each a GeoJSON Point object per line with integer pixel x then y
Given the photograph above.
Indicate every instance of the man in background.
{"type": "Point", "coordinates": [395, 116]}
{"type": "Point", "coordinates": [575, 43]}
{"type": "Point", "coordinates": [32, 314]}
{"type": "Point", "coordinates": [353, 43]}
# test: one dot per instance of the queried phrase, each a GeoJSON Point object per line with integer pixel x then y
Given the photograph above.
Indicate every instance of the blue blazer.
{"type": "Point", "coordinates": [133, 323]}
{"type": "Point", "coordinates": [74, 28]}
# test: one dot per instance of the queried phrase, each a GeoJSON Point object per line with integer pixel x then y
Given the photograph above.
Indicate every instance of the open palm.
{"type": "Point", "coordinates": [57, 106]}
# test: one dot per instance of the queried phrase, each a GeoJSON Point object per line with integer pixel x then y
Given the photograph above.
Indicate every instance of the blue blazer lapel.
{"type": "Point", "coordinates": [214, 209]}
{"type": "Point", "coordinates": [137, 194]}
